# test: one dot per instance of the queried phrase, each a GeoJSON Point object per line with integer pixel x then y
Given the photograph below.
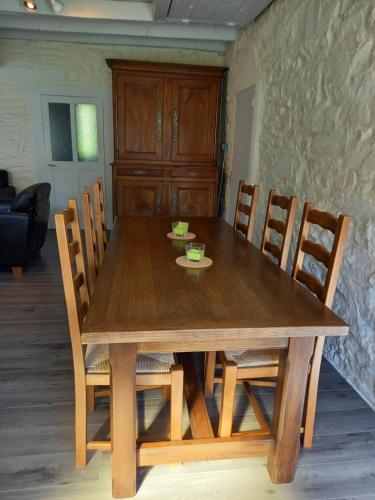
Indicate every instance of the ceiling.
{"type": "Point", "coordinates": [199, 24]}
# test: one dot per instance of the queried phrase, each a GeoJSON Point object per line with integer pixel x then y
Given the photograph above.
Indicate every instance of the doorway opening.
{"type": "Point", "coordinates": [73, 146]}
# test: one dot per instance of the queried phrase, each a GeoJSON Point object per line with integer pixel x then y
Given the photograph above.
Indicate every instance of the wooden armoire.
{"type": "Point", "coordinates": [166, 121]}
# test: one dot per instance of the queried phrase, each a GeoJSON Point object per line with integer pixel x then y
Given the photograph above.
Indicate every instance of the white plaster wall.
{"type": "Point", "coordinates": [313, 62]}
{"type": "Point", "coordinates": [26, 65]}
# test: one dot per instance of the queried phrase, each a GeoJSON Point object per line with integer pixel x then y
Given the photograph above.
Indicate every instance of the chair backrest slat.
{"type": "Point", "coordinates": [280, 201]}
{"type": "Point", "coordinates": [318, 251]}
{"type": "Point", "coordinates": [247, 209]}
{"type": "Point", "coordinates": [101, 226]}
{"type": "Point", "coordinates": [323, 219]}
{"type": "Point", "coordinates": [277, 225]}
{"type": "Point", "coordinates": [73, 248]}
{"type": "Point", "coordinates": [74, 278]}
{"type": "Point", "coordinates": [285, 229]}
{"type": "Point", "coordinates": [273, 249]}
{"type": "Point", "coordinates": [78, 281]}
{"type": "Point", "coordinates": [312, 283]}
{"type": "Point", "coordinates": [82, 312]}
{"type": "Point", "coordinates": [90, 238]}
{"type": "Point", "coordinates": [339, 226]}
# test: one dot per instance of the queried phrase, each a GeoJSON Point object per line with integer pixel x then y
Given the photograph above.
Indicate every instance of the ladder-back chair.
{"type": "Point", "coordinates": [285, 229]}
{"type": "Point", "coordinates": [243, 367]}
{"type": "Point", "coordinates": [247, 209]}
{"type": "Point", "coordinates": [240, 366]}
{"type": "Point", "coordinates": [91, 363]}
{"type": "Point", "coordinates": [101, 226]}
{"type": "Point", "coordinates": [91, 241]}
{"type": "Point", "coordinates": [325, 291]}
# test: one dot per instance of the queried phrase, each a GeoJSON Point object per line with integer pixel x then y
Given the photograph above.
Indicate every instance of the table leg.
{"type": "Point", "coordinates": [122, 358]}
{"type": "Point", "coordinates": [290, 397]}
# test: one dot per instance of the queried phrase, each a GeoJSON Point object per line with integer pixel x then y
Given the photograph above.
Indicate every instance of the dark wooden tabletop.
{"type": "Point", "coordinates": [143, 295]}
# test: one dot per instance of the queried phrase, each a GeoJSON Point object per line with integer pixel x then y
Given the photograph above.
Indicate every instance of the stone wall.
{"type": "Point", "coordinates": [25, 64]}
{"type": "Point", "coordinates": [313, 62]}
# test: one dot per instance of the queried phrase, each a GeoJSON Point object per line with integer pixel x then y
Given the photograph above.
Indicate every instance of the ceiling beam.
{"type": "Point", "coordinates": [99, 27]}
{"type": "Point", "coordinates": [90, 38]}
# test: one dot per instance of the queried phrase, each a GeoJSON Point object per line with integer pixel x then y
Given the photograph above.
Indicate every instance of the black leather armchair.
{"type": "Point", "coordinates": [6, 191]}
{"type": "Point", "coordinates": [23, 227]}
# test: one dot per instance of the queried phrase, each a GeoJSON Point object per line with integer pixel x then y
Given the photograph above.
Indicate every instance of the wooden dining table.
{"type": "Point", "coordinates": [144, 302]}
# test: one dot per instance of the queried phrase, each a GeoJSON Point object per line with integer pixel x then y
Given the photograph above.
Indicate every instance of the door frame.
{"type": "Point", "coordinates": [36, 92]}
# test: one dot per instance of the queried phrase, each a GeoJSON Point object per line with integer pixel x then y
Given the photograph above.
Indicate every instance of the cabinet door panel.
{"type": "Point", "coordinates": [192, 198]}
{"type": "Point", "coordinates": [194, 119]}
{"type": "Point", "coordinates": [139, 117]}
{"type": "Point", "coordinates": [138, 197]}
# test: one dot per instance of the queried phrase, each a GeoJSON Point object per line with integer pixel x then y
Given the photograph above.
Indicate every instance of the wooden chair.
{"type": "Point", "coordinates": [247, 209]}
{"type": "Point", "coordinates": [249, 366]}
{"type": "Point", "coordinates": [91, 365]}
{"type": "Point", "coordinates": [101, 226]}
{"type": "Point", "coordinates": [325, 292]}
{"type": "Point", "coordinates": [238, 366]}
{"type": "Point", "coordinates": [285, 229]}
{"type": "Point", "coordinates": [91, 241]}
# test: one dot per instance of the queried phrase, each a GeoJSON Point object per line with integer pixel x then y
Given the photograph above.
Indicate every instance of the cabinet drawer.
{"type": "Point", "coordinates": [138, 171]}
{"type": "Point", "coordinates": [191, 173]}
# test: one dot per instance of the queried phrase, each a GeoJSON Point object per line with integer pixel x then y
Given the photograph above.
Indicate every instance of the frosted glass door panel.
{"type": "Point", "coordinates": [60, 130]}
{"type": "Point", "coordinates": [86, 132]}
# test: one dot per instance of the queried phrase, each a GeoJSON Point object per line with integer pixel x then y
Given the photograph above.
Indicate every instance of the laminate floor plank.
{"type": "Point", "coordinates": [37, 410]}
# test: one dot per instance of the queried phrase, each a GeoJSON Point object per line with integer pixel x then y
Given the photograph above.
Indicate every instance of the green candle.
{"type": "Point", "coordinates": [195, 254]}
{"type": "Point", "coordinates": [180, 228]}
{"type": "Point", "coordinates": [195, 251]}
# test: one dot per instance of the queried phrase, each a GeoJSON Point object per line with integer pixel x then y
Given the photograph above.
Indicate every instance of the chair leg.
{"type": "Point", "coordinates": [227, 398]}
{"type": "Point", "coordinates": [80, 427]}
{"type": "Point", "coordinates": [209, 373]}
{"type": "Point", "coordinates": [177, 401]}
{"type": "Point", "coordinates": [17, 272]}
{"type": "Point", "coordinates": [90, 398]}
{"type": "Point", "coordinates": [312, 394]}
{"type": "Point", "coordinates": [167, 392]}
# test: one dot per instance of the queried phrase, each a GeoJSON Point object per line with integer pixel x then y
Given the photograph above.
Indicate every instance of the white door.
{"type": "Point", "coordinates": [73, 139]}
{"type": "Point", "coordinates": [241, 143]}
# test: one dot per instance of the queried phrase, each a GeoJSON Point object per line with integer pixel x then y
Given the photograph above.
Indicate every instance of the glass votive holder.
{"type": "Point", "coordinates": [180, 228]}
{"type": "Point", "coordinates": [195, 251]}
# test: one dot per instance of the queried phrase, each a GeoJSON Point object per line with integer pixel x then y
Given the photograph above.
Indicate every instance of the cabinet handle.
{"type": "Point", "coordinates": [159, 121]}
{"type": "Point", "coordinates": [139, 172]}
{"type": "Point", "coordinates": [158, 197]}
{"type": "Point", "coordinates": [175, 122]}
{"type": "Point", "coordinates": [174, 203]}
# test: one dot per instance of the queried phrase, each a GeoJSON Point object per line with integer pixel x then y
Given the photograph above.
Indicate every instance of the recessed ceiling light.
{"type": "Point", "coordinates": [30, 6]}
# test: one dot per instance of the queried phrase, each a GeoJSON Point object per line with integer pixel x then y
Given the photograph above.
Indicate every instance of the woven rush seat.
{"type": "Point", "coordinates": [97, 360]}
{"type": "Point", "coordinates": [249, 359]}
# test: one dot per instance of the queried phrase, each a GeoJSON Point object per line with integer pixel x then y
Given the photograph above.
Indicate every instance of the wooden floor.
{"type": "Point", "coordinates": [36, 420]}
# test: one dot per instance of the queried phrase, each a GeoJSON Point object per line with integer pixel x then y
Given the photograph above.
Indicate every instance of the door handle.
{"type": "Point", "coordinates": [51, 165]}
